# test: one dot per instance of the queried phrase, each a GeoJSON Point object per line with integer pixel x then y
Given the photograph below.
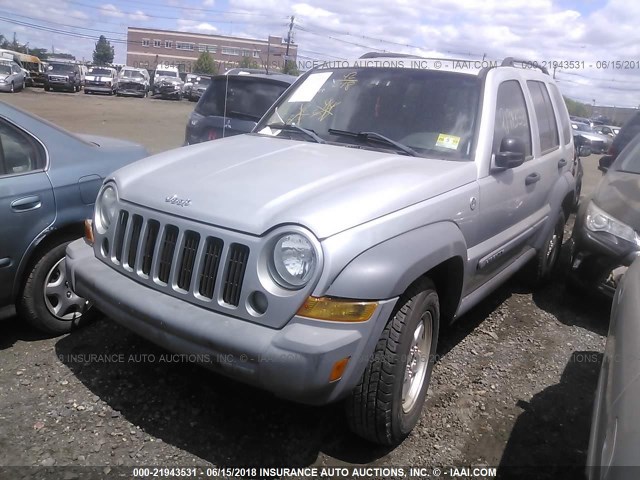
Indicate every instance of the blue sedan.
{"type": "Point", "coordinates": [49, 179]}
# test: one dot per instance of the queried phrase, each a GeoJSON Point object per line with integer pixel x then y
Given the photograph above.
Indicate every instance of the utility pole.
{"type": "Point", "coordinates": [286, 58]}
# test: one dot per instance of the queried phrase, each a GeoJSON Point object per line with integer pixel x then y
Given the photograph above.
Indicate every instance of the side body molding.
{"type": "Point", "coordinates": [386, 270]}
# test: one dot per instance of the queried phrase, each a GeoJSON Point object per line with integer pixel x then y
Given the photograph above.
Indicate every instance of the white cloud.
{"type": "Point", "coordinates": [110, 10]}
{"type": "Point", "coordinates": [208, 3]}
{"type": "Point", "coordinates": [196, 27]}
{"type": "Point", "coordinates": [139, 16]}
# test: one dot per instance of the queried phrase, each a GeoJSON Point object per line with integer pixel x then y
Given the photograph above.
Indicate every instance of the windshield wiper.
{"type": "Point", "coordinates": [376, 137]}
{"type": "Point", "coordinates": [296, 128]}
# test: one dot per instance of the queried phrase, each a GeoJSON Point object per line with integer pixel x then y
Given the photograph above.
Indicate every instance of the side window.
{"type": "Point", "coordinates": [563, 113]}
{"type": "Point", "coordinates": [18, 152]}
{"type": "Point", "coordinates": [544, 114]}
{"type": "Point", "coordinates": [512, 118]}
{"type": "Point", "coordinates": [15, 69]}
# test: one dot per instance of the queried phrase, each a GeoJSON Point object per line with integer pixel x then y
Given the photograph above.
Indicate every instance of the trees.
{"type": "Point", "coordinates": [104, 52]}
{"type": "Point", "coordinates": [290, 68]}
{"type": "Point", "coordinates": [577, 108]}
{"type": "Point", "coordinates": [205, 65]}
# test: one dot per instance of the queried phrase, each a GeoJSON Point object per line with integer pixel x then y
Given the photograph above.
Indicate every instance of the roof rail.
{"type": "Point", "coordinates": [510, 62]}
{"type": "Point", "coordinates": [387, 54]}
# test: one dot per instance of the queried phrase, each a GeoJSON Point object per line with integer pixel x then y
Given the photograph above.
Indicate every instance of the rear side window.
{"type": "Point", "coordinates": [243, 97]}
{"type": "Point", "coordinates": [545, 116]}
{"type": "Point", "coordinates": [19, 153]}
{"type": "Point", "coordinates": [563, 113]}
{"type": "Point", "coordinates": [512, 118]}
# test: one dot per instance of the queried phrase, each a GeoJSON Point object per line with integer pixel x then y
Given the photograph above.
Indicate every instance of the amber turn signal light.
{"type": "Point", "coordinates": [338, 369]}
{"type": "Point", "coordinates": [337, 310]}
{"type": "Point", "coordinates": [88, 231]}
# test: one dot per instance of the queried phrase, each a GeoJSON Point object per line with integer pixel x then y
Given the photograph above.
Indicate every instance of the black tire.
{"type": "Point", "coordinates": [47, 88]}
{"type": "Point", "coordinates": [32, 305]}
{"type": "Point", "coordinates": [578, 191]}
{"type": "Point", "coordinates": [545, 264]}
{"type": "Point", "coordinates": [375, 409]}
{"type": "Point", "coordinates": [13, 88]}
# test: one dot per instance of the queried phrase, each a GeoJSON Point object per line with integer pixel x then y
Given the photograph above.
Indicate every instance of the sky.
{"type": "Point", "coordinates": [584, 38]}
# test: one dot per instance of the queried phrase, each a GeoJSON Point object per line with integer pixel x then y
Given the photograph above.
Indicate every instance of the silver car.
{"type": "Point", "coordinates": [615, 428]}
{"type": "Point", "coordinates": [12, 77]}
{"type": "Point", "coordinates": [318, 256]}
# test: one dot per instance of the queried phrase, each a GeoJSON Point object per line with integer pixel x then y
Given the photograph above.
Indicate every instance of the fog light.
{"type": "Point", "coordinates": [337, 310]}
{"type": "Point", "coordinates": [88, 232]}
{"type": "Point", "coordinates": [338, 369]}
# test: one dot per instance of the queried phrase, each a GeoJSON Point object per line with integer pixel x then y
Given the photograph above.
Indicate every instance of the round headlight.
{"type": "Point", "coordinates": [294, 260]}
{"type": "Point", "coordinates": [106, 207]}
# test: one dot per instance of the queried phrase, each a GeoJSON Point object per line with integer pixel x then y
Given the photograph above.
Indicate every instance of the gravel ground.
{"type": "Point", "coordinates": [513, 385]}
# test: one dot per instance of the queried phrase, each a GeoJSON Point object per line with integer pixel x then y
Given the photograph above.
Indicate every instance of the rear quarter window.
{"type": "Point", "coordinates": [545, 115]}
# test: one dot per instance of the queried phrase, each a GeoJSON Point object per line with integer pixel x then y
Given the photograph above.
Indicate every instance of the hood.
{"type": "Point", "coordinates": [595, 136]}
{"type": "Point", "coordinates": [108, 142]}
{"type": "Point", "coordinates": [252, 183]}
{"type": "Point", "coordinates": [619, 194]}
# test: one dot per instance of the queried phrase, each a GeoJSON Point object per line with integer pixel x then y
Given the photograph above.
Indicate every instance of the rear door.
{"type": "Point", "coordinates": [26, 200]}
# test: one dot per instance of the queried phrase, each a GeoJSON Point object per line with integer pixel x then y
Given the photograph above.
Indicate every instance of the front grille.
{"type": "Point", "coordinates": [131, 86]}
{"type": "Point", "coordinates": [185, 261]}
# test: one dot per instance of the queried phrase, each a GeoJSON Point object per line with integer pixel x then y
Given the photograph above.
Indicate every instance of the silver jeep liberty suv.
{"type": "Point", "coordinates": [318, 256]}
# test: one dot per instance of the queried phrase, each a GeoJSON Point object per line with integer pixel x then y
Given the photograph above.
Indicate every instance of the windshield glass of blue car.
{"type": "Point", "coordinates": [245, 97]}
{"type": "Point", "coordinates": [432, 113]}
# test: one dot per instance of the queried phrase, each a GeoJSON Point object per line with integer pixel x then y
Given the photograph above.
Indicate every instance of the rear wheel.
{"type": "Point", "coordinates": [47, 301]}
{"type": "Point", "coordinates": [387, 402]}
{"type": "Point", "coordinates": [47, 88]}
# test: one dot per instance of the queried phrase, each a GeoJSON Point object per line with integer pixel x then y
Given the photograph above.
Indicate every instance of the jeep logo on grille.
{"type": "Point", "coordinates": [175, 200]}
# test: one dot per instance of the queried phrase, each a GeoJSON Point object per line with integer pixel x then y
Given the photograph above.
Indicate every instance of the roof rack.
{"type": "Point", "coordinates": [510, 62]}
{"type": "Point", "coordinates": [387, 54]}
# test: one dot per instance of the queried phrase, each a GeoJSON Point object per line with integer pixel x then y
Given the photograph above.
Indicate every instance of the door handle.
{"type": "Point", "coordinates": [532, 178]}
{"type": "Point", "coordinates": [562, 163]}
{"type": "Point", "coordinates": [26, 203]}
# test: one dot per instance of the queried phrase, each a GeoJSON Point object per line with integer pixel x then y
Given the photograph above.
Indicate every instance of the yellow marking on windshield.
{"type": "Point", "coordinates": [297, 117]}
{"type": "Point", "coordinates": [326, 110]}
{"type": "Point", "coordinates": [349, 80]}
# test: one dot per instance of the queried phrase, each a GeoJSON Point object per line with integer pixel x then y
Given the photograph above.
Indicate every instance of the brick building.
{"type": "Point", "coordinates": [148, 48]}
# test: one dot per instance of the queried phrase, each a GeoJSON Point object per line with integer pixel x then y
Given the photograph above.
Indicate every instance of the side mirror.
{"type": "Point", "coordinates": [605, 163]}
{"type": "Point", "coordinates": [584, 151]}
{"type": "Point", "coordinates": [512, 153]}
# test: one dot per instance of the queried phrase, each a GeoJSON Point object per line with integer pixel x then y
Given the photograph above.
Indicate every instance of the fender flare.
{"type": "Point", "coordinates": [387, 269]}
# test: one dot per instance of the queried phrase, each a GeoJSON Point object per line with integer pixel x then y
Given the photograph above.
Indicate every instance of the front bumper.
{"type": "Point", "coordinates": [594, 266]}
{"type": "Point", "coordinates": [294, 362]}
{"type": "Point", "coordinates": [98, 88]}
{"type": "Point", "coordinates": [5, 87]}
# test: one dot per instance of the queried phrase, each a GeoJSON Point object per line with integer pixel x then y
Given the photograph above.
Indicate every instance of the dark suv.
{"type": "Point", "coordinates": [233, 104]}
{"type": "Point", "coordinates": [63, 76]}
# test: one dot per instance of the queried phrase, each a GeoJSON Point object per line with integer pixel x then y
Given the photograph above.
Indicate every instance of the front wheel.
{"type": "Point", "coordinates": [387, 402]}
{"type": "Point", "coordinates": [47, 301]}
{"type": "Point", "coordinates": [544, 265]}
{"type": "Point", "coordinates": [13, 88]}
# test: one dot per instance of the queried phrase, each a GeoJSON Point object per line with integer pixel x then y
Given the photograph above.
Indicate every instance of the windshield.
{"type": "Point", "coordinates": [629, 159]}
{"type": "Point", "coordinates": [431, 112]}
{"type": "Point", "coordinates": [99, 71]}
{"type": "Point", "coordinates": [246, 97]}
{"type": "Point", "coordinates": [132, 74]}
{"type": "Point", "coordinates": [582, 127]}
{"type": "Point", "coordinates": [203, 81]}
{"type": "Point", "coordinates": [5, 70]}
{"type": "Point", "coordinates": [61, 67]}
{"type": "Point", "coordinates": [166, 73]}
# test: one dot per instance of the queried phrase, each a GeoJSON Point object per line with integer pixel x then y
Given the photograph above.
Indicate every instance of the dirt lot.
{"type": "Point", "coordinates": [513, 385]}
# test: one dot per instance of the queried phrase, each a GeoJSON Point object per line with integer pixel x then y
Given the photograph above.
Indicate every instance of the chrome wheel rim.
{"type": "Point", "coordinates": [552, 250]}
{"type": "Point", "coordinates": [61, 301]}
{"type": "Point", "coordinates": [417, 362]}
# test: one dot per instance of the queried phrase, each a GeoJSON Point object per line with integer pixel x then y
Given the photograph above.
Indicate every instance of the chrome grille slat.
{"type": "Point", "coordinates": [150, 244]}
{"type": "Point", "coordinates": [210, 265]}
{"type": "Point", "coordinates": [188, 250]}
{"type": "Point", "coordinates": [236, 266]}
{"type": "Point", "coordinates": [167, 252]}
{"type": "Point", "coordinates": [133, 238]}
{"type": "Point", "coordinates": [121, 230]}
